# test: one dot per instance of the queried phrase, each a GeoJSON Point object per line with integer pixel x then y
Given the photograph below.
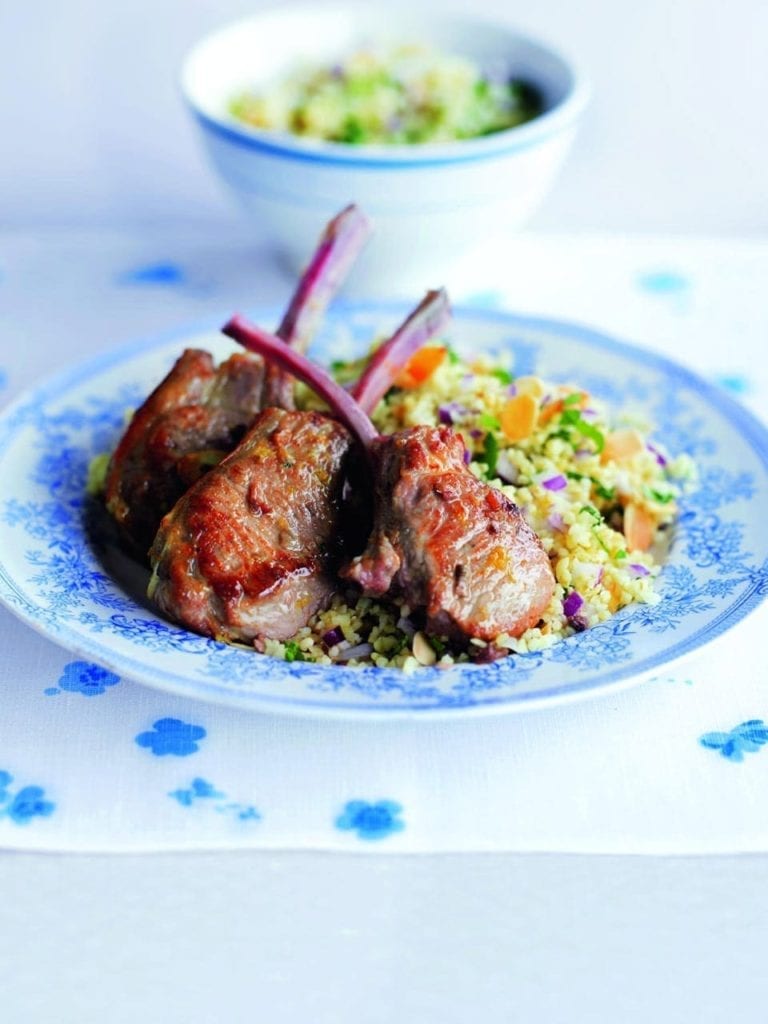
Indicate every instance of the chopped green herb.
{"type": "Point", "coordinates": [437, 645]}
{"type": "Point", "coordinates": [402, 642]}
{"type": "Point", "coordinates": [663, 497]}
{"type": "Point", "coordinates": [293, 652]}
{"type": "Point", "coordinates": [491, 455]}
{"type": "Point", "coordinates": [600, 540]}
{"type": "Point", "coordinates": [453, 355]}
{"type": "Point", "coordinates": [488, 422]}
{"type": "Point", "coordinates": [592, 511]}
{"type": "Point", "coordinates": [606, 493]}
{"type": "Point", "coordinates": [573, 399]}
{"type": "Point", "coordinates": [503, 375]}
{"type": "Point", "coordinates": [573, 418]}
{"type": "Point", "coordinates": [619, 555]}
{"type": "Point", "coordinates": [352, 131]}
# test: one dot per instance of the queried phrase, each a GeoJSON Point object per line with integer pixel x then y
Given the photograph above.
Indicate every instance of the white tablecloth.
{"type": "Point", "coordinates": [89, 761]}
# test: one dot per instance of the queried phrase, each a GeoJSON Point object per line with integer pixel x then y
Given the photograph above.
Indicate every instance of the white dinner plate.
{"type": "Point", "coordinates": [60, 575]}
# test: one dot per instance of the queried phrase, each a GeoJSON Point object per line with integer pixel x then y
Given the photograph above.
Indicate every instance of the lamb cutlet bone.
{"type": "Point", "coordinates": [198, 413]}
{"type": "Point", "coordinates": [248, 553]}
{"type": "Point", "coordinates": [442, 540]}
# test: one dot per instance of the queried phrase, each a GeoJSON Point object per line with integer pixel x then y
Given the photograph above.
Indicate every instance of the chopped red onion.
{"type": "Point", "coordinates": [512, 390]}
{"type": "Point", "coordinates": [467, 457]}
{"type": "Point", "coordinates": [599, 577]}
{"type": "Point", "coordinates": [476, 433]}
{"type": "Point", "coordinates": [406, 626]}
{"type": "Point", "coordinates": [450, 412]}
{"type": "Point", "coordinates": [358, 651]}
{"type": "Point", "coordinates": [582, 453]}
{"type": "Point", "coordinates": [572, 603]}
{"type": "Point", "coordinates": [333, 636]}
{"type": "Point", "coordinates": [639, 570]}
{"type": "Point", "coordinates": [555, 483]}
{"type": "Point", "coordinates": [556, 522]}
{"type": "Point", "coordinates": [659, 457]}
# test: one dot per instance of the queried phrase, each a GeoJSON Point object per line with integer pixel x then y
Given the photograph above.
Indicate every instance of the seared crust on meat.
{"type": "Point", "coordinates": [192, 419]}
{"type": "Point", "coordinates": [248, 552]}
{"type": "Point", "coordinates": [449, 543]}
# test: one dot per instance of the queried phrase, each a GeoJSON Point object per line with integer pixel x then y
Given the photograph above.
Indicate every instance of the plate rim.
{"type": "Point", "coordinates": [740, 418]}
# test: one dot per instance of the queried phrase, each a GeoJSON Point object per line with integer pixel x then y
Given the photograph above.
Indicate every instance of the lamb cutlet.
{"type": "Point", "coordinates": [198, 414]}
{"type": "Point", "coordinates": [448, 543]}
{"type": "Point", "coordinates": [190, 421]}
{"type": "Point", "coordinates": [250, 551]}
{"type": "Point", "coordinates": [246, 552]}
{"type": "Point", "coordinates": [442, 540]}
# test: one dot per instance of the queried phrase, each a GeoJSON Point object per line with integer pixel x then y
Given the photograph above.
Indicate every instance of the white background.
{"type": "Point", "coordinates": [94, 131]}
{"type": "Point", "coordinates": [94, 134]}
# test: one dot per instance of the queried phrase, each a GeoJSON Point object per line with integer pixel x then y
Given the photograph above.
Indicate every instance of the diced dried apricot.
{"type": "Point", "coordinates": [621, 445]}
{"type": "Point", "coordinates": [518, 417]}
{"type": "Point", "coordinates": [638, 528]}
{"type": "Point", "coordinates": [550, 410]}
{"type": "Point", "coordinates": [421, 366]}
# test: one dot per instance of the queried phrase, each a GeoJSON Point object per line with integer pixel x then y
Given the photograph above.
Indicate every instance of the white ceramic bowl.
{"type": "Point", "coordinates": [431, 203]}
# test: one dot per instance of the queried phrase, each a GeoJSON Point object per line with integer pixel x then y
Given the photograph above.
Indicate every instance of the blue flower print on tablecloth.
{"type": "Point", "coordinates": [667, 285]}
{"type": "Point", "coordinates": [27, 803]}
{"type": "Point", "coordinates": [203, 790]}
{"type": "Point", "coordinates": [736, 383]}
{"type": "Point", "coordinates": [85, 678]}
{"type": "Point", "coordinates": [749, 737]}
{"type": "Point", "coordinates": [172, 736]}
{"type": "Point", "coordinates": [159, 273]}
{"type": "Point", "coordinates": [371, 820]}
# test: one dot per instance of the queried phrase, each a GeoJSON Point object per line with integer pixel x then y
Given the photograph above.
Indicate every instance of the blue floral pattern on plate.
{"type": "Point", "coordinates": [717, 570]}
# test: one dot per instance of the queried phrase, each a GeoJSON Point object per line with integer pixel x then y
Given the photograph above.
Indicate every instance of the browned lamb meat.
{"type": "Point", "coordinates": [442, 540]}
{"type": "Point", "coordinates": [446, 542]}
{"type": "Point", "coordinates": [198, 414]}
{"type": "Point", "coordinates": [248, 551]}
{"type": "Point", "coordinates": [251, 550]}
{"type": "Point", "coordinates": [190, 421]}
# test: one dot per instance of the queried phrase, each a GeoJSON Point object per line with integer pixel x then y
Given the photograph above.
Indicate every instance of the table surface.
{"type": "Point", "coordinates": [331, 938]}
